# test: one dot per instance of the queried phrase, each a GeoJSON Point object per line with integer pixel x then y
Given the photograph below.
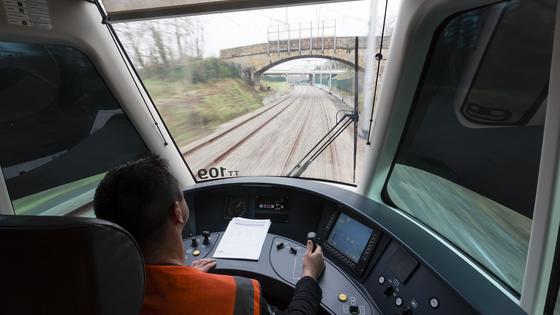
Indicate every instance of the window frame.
{"type": "Point", "coordinates": [6, 202]}
{"type": "Point", "coordinates": [554, 283]}
{"type": "Point", "coordinates": [6, 206]}
{"type": "Point", "coordinates": [544, 216]}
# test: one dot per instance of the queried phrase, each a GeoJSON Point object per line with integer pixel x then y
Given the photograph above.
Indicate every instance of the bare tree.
{"type": "Point", "coordinates": [162, 42]}
{"type": "Point", "coordinates": [158, 42]}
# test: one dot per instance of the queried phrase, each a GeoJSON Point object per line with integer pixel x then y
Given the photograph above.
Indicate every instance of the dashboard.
{"type": "Point", "coordinates": [377, 261]}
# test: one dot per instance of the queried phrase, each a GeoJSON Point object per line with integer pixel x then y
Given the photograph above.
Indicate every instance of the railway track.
{"type": "Point", "coordinates": [252, 133]}
{"type": "Point", "coordinates": [207, 140]}
{"type": "Point", "coordinates": [271, 141]}
{"type": "Point", "coordinates": [291, 157]}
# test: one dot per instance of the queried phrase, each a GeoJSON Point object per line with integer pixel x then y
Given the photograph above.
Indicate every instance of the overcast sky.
{"type": "Point", "coordinates": [234, 29]}
{"type": "Point", "coordinates": [228, 30]}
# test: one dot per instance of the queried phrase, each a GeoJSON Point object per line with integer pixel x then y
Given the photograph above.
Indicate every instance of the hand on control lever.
{"type": "Point", "coordinates": [313, 261]}
{"type": "Point", "coordinates": [204, 264]}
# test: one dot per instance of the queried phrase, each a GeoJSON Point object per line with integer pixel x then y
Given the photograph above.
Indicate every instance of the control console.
{"type": "Point", "coordinates": [197, 247]}
{"type": "Point", "coordinates": [340, 295]}
{"type": "Point", "coordinates": [281, 259]}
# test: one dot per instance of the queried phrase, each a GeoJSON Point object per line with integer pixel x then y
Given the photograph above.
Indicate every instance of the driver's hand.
{"type": "Point", "coordinates": [313, 261]}
{"type": "Point", "coordinates": [204, 264]}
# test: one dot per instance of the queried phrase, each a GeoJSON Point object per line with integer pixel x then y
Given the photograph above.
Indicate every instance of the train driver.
{"type": "Point", "coordinates": [144, 198]}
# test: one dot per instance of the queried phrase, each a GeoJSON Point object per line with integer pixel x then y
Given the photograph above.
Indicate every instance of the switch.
{"type": "Point", "coordinates": [206, 235]}
{"type": "Point", "coordinates": [196, 252]}
{"type": "Point", "coordinates": [342, 297]}
{"type": "Point", "coordinates": [407, 311]}
{"type": "Point", "coordinates": [194, 242]}
{"type": "Point", "coordinates": [354, 309]}
{"type": "Point", "coordinates": [280, 245]}
{"type": "Point", "coordinates": [389, 290]}
{"type": "Point", "coordinates": [293, 250]}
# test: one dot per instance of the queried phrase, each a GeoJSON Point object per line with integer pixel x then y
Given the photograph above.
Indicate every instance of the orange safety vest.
{"type": "Point", "coordinates": [187, 290]}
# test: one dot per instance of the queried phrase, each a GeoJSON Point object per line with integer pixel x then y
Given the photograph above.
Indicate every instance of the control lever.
{"type": "Point", "coordinates": [206, 235]}
{"type": "Point", "coordinates": [194, 242]}
{"type": "Point", "coordinates": [312, 236]}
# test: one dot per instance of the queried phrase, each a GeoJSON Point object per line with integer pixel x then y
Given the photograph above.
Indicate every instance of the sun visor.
{"type": "Point", "coordinates": [127, 10]}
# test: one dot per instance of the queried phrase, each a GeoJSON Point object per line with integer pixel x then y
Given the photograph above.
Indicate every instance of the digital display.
{"type": "Point", "coordinates": [349, 237]}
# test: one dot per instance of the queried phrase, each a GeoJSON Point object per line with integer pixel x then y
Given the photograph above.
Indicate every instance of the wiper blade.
{"type": "Point", "coordinates": [318, 148]}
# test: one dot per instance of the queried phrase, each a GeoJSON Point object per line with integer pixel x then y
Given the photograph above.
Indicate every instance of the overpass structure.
{"type": "Point", "coordinates": [304, 72]}
{"type": "Point", "coordinates": [257, 59]}
{"type": "Point", "coordinates": [324, 75]}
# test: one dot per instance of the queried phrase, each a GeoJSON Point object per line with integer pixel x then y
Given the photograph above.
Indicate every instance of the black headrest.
{"type": "Point", "coordinates": [65, 265]}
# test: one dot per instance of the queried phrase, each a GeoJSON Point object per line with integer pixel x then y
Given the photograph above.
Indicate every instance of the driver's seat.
{"type": "Point", "coordinates": [65, 265]}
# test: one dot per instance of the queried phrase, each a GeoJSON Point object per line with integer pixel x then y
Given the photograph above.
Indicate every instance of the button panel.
{"type": "Point", "coordinates": [201, 250]}
{"type": "Point", "coordinates": [340, 295]}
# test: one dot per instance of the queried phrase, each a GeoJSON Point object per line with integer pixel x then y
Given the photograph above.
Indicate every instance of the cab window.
{"type": "Point", "coordinates": [468, 162]}
{"type": "Point", "coordinates": [61, 128]}
{"type": "Point", "coordinates": [267, 92]}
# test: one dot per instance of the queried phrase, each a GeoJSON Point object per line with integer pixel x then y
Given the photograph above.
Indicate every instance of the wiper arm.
{"type": "Point", "coordinates": [335, 131]}
{"type": "Point", "coordinates": [318, 148]}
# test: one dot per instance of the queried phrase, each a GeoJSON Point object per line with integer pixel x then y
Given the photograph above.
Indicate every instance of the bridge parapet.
{"type": "Point", "coordinates": [302, 45]}
{"type": "Point", "coordinates": [256, 59]}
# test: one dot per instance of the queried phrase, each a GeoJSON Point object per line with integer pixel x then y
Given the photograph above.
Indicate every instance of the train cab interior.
{"type": "Point", "coordinates": [418, 139]}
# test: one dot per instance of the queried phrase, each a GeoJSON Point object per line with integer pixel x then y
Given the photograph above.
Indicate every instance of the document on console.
{"type": "Point", "coordinates": [243, 239]}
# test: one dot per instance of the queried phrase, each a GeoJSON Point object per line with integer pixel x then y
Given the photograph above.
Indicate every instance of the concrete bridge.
{"type": "Point", "coordinates": [257, 59]}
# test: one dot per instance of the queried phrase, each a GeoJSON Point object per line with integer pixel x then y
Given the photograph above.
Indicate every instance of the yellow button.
{"type": "Point", "coordinates": [196, 252]}
{"type": "Point", "coordinates": [342, 297]}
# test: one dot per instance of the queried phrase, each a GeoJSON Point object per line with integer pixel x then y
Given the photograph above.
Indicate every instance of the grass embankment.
{"type": "Point", "coordinates": [192, 111]}
{"type": "Point", "coordinates": [275, 86]}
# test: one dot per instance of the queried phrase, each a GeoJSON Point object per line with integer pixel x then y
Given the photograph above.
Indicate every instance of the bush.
{"type": "Point", "coordinates": [207, 69]}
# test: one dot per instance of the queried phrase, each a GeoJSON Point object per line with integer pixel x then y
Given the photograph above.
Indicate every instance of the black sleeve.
{"type": "Point", "coordinates": [306, 299]}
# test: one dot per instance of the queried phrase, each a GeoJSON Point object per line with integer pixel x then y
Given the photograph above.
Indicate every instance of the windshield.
{"type": "Point", "coordinates": [275, 92]}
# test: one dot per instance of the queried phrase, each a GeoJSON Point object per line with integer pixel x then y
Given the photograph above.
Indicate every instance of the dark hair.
{"type": "Point", "coordinates": [138, 197]}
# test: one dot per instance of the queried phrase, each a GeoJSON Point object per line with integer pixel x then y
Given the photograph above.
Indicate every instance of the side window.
{"type": "Point", "coordinates": [468, 163]}
{"type": "Point", "coordinates": [60, 128]}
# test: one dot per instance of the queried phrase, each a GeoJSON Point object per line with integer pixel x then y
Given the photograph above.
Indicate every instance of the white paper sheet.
{"type": "Point", "coordinates": [243, 239]}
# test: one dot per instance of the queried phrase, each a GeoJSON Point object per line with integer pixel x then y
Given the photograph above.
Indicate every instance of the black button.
{"type": "Point", "coordinates": [354, 309]}
{"type": "Point", "coordinates": [280, 245]}
{"type": "Point", "coordinates": [293, 250]}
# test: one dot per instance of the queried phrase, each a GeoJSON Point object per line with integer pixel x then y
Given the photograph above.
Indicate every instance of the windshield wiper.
{"type": "Point", "coordinates": [327, 139]}
{"type": "Point", "coordinates": [335, 131]}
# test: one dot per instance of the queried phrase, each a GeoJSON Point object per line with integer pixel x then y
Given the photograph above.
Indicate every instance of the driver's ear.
{"type": "Point", "coordinates": [178, 212]}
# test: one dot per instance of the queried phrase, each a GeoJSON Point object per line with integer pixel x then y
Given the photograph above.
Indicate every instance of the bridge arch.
{"type": "Point", "coordinates": [258, 73]}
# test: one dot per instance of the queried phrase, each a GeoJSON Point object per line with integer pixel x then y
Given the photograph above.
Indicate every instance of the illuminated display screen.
{"type": "Point", "coordinates": [349, 237]}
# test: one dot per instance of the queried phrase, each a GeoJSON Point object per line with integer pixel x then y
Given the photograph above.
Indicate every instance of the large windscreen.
{"type": "Point", "coordinates": [268, 92]}
{"type": "Point", "coordinates": [349, 237]}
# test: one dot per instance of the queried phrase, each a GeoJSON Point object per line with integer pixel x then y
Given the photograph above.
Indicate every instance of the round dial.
{"type": "Point", "coordinates": [236, 208]}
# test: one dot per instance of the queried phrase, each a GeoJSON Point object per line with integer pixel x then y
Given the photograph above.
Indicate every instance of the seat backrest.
{"type": "Point", "coordinates": [65, 265]}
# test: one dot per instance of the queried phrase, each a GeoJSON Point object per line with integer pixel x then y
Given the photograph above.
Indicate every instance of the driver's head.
{"type": "Point", "coordinates": [144, 198]}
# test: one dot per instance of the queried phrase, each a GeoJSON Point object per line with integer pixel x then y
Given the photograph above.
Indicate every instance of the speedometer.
{"type": "Point", "coordinates": [236, 207]}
